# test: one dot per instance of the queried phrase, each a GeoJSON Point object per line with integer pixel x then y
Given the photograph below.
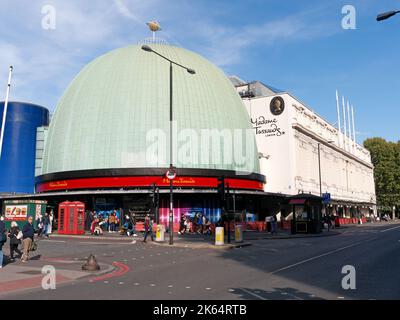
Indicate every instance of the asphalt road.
{"type": "Point", "coordinates": [307, 268]}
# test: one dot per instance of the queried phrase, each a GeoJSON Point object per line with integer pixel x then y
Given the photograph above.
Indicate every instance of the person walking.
{"type": "Point", "coordinates": [328, 221]}
{"type": "Point", "coordinates": [15, 236]}
{"type": "Point", "coordinates": [39, 225]}
{"type": "Point", "coordinates": [3, 239]}
{"type": "Point", "coordinates": [27, 238]}
{"type": "Point", "coordinates": [148, 228]}
{"type": "Point", "coordinates": [51, 219]}
{"type": "Point", "coordinates": [46, 223]}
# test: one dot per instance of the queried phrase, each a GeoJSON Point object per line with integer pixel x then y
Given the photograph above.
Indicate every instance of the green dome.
{"type": "Point", "coordinates": [105, 117]}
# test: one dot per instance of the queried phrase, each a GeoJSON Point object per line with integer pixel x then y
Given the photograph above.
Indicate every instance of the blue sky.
{"type": "Point", "coordinates": [298, 46]}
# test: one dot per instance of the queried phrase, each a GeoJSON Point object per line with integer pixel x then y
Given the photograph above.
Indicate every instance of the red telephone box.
{"type": "Point", "coordinates": [71, 218]}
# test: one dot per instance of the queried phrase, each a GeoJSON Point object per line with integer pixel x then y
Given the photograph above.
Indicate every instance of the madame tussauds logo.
{"type": "Point", "coordinates": [268, 127]}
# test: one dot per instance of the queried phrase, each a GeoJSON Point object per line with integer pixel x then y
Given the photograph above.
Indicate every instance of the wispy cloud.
{"type": "Point", "coordinates": [47, 60]}
{"type": "Point", "coordinates": [125, 11]}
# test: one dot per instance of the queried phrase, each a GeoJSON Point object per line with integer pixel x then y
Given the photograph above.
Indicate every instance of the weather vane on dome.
{"type": "Point", "coordinates": [154, 26]}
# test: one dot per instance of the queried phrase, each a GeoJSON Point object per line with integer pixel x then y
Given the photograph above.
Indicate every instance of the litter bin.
{"type": "Point", "coordinates": [238, 233]}
{"type": "Point", "coordinates": [219, 236]}
{"type": "Point", "coordinates": [160, 234]}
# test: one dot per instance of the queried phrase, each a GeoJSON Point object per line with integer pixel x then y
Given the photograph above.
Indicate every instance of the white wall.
{"type": "Point", "coordinates": [273, 136]}
{"type": "Point", "coordinates": [292, 152]}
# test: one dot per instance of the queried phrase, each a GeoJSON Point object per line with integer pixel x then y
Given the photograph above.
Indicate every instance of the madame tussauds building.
{"type": "Point", "coordinates": [109, 142]}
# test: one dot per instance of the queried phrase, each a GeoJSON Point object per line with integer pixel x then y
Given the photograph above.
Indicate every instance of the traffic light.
{"type": "Point", "coordinates": [221, 188]}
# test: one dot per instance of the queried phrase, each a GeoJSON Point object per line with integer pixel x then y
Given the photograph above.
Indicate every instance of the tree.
{"type": "Point", "coordinates": [385, 157]}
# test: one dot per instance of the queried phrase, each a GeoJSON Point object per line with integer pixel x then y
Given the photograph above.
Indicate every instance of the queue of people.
{"type": "Point", "coordinates": [97, 224]}
{"type": "Point", "coordinates": [199, 224]}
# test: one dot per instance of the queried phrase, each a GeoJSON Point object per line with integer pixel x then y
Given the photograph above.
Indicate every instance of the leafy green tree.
{"type": "Point", "coordinates": [386, 160]}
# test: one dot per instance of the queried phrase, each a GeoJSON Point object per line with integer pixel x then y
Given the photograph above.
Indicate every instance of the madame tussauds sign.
{"type": "Point", "coordinates": [267, 127]}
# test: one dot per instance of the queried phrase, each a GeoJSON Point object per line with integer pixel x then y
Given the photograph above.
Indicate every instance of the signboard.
{"type": "Point", "coordinates": [326, 198]}
{"type": "Point", "coordinates": [16, 213]}
{"type": "Point", "coordinates": [171, 174]}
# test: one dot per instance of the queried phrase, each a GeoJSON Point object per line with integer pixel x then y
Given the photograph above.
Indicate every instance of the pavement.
{"type": "Point", "coordinates": [291, 268]}
{"type": "Point", "coordinates": [200, 241]}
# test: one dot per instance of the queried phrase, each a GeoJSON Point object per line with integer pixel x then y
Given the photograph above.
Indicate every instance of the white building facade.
{"type": "Point", "coordinates": [298, 149]}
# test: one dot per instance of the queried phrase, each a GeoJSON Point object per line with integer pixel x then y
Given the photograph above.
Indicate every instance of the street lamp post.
{"type": "Point", "coordinates": [387, 15]}
{"type": "Point", "coordinates": [171, 167]}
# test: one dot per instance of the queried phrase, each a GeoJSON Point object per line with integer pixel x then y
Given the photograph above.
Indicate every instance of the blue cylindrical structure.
{"type": "Point", "coordinates": [17, 162]}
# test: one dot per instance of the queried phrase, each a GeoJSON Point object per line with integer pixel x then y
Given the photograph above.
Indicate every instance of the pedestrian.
{"type": "Point", "coordinates": [148, 228]}
{"type": "Point", "coordinates": [112, 221]}
{"type": "Point", "coordinates": [3, 239]}
{"type": "Point", "coordinates": [39, 225]}
{"type": "Point", "coordinates": [15, 236]}
{"type": "Point", "coordinates": [182, 226]}
{"type": "Point", "coordinates": [46, 223]}
{"type": "Point", "coordinates": [27, 238]}
{"type": "Point", "coordinates": [207, 226]}
{"type": "Point", "coordinates": [200, 223]}
{"type": "Point", "coordinates": [203, 224]}
{"type": "Point", "coordinates": [328, 221]}
{"type": "Point", "coordinates": [51, 219]}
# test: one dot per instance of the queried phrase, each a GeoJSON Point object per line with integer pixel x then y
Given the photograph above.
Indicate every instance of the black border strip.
{"type": "Point", "coordinates": [124, 172]}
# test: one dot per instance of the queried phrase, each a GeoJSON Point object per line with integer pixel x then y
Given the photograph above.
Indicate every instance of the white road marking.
{"type": "Point", "coordinates": [390, 229]}
{"type": "Point", "coordinates": [152, 285]}
{"type": "Point", "coordinates": [320, 256]}
{"type": "Point", "coordinates": [208, 288]}
{"type": "Point", "coordinates": [136, 284]}
{"type": "Point", "coordinates": [47, 240]}
{"type": "Point", "coordinates": [170, 286]}
{"type": "Point", "coordinates": [252, 293]}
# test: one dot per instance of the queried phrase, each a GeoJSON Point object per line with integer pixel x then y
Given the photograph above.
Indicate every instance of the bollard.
{"type": "Point", "coordinates": [219, 236]}
{"type": "Point", "coordinates": [238, 233]}
{"type": "Point", "coordinates": [91, 264]}
{"type": "Point", "coordinates": [160, 234]}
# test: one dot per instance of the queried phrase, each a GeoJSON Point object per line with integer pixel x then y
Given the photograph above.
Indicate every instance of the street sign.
{"type": "Point", "coordinates": [326, 197]}
{"type": "Point", "coordinates": [171, 174]}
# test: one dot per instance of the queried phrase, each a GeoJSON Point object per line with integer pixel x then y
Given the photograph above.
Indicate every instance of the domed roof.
{"type": "Point", "coordinates": [111, 113]}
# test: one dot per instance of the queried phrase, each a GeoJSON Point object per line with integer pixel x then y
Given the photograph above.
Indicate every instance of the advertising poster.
{"type": "Point", "coordinates": [16, 213]}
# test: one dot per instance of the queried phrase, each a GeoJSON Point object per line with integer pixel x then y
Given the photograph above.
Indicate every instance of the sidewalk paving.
{"type": "Point", "coordinates": [207, 241]}
{"type": "Point", "coordinates": [18, 276]}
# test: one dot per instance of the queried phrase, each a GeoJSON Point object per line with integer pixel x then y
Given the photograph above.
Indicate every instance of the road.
{"type": "Point", "coordinates": [303, 268]}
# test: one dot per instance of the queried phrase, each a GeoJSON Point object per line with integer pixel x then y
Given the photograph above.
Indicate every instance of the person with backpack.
{"type": "Point", "coordinates": [15, 236]}
{"type": "Point", "coordinates": [3, 239]}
